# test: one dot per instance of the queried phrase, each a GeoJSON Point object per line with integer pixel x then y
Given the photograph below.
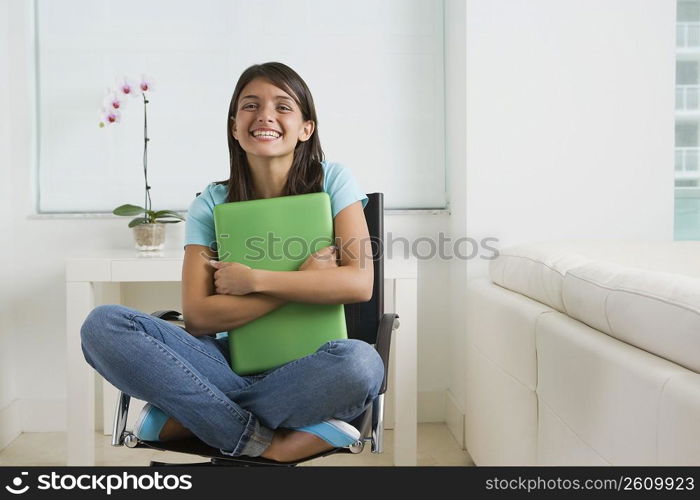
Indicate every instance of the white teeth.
{"type": "Point", "coordinates": [265, 133]}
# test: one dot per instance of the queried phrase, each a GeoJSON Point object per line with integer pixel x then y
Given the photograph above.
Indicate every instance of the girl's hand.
{"type": "Point", "coordinates": [233, 278]}
{"type": "Point", "coordinates": [326, 258]}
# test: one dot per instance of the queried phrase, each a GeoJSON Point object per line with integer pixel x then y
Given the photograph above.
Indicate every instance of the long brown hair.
{"type": "Point", "coordinates": [306, 174]}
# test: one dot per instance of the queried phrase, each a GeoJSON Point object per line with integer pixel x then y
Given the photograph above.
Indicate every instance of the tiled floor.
{"type": "Point", "coordinates": [436, 446]}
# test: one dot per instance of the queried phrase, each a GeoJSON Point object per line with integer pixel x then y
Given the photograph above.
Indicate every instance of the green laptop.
{"type": "Point", "coordinates": [278, 234]}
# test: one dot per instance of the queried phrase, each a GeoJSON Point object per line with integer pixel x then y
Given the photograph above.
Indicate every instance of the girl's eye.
{"type": "Point", "coordinates": [252, 105]}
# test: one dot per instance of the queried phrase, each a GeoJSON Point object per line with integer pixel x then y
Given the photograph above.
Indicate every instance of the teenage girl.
{"type": "Point", "coordinates": [303, 407]}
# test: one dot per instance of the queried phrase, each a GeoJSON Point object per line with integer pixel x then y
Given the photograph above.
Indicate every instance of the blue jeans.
{"type": "Point", "coordinates": [191, 380]}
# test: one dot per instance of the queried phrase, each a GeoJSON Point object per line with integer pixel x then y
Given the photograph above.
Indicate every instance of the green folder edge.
{"type": "Point", "coordinates": [296, 329]}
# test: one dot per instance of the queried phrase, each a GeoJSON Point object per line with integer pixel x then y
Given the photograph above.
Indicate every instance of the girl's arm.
{"type": "Point", "coordinates": [206, 312]}
{"type": "Point", "coordinates": [351, 282]}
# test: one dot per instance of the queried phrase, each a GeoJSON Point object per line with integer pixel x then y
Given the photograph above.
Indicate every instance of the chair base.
{"type": "Point", "coordinates": [164, 464]}
{"type": "Point", "coordinates": [217, 463]}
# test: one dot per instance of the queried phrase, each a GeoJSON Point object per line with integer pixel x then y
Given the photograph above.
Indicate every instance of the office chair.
{"type": "Point", "coordinates": [365, 321]}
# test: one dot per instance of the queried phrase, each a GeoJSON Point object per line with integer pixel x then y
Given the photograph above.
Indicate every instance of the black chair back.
{"type": "Point", "coordinates": [362, 318]}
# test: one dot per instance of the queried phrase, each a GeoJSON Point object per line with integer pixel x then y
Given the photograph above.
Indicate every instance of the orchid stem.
{"type": "Point", "coordinates": [147, 201]}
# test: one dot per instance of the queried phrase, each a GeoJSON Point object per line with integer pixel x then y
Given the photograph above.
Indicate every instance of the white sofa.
{"type": "Point", "coordinates": [585, 353]}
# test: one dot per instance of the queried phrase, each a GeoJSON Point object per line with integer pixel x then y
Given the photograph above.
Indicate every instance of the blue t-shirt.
{"type": "Point", "coordinates": [338, 182]}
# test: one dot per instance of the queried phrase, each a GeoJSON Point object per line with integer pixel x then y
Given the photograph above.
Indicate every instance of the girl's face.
{"type": "Point", "coordinates": [268, 121]}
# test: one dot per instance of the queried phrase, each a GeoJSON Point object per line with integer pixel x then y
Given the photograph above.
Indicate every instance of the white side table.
{"type": "Point", "coordinates": [115, 267]}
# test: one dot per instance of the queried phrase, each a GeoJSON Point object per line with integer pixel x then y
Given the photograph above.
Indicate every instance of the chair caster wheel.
{"type": "Point", "coordinates": [130, 441]}
{"type": "Point", "coordinates": [356, 447]}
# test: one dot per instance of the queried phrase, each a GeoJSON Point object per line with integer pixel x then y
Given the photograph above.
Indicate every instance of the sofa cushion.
{"type": "Point", "coordinates": [679, 432]}
{"type": "Point", "coordinates": [536, 271]}
{"type": "Point", "coordinates": [655, 311]}
{"type": "Point", "coordinates": [500, 416]}
{"type": "Point", "coordinates": [606, 392]}
{"type": "Point", "coordinates": [496, 318]}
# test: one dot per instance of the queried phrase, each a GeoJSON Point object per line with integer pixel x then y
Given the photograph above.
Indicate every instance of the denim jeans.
{"type": "Point", "coordinates": [191, 380]}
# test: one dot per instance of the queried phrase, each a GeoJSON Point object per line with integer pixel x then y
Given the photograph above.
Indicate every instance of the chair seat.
{"type": "Point", "coordinates": [195, 446]}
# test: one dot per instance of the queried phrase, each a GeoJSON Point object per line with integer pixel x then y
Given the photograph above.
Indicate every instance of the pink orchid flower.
{"type": "Point", "coordinates": [110, 116]}
{"type": "Point", "coordinates": [146, 84]}
{"type": "Point", "coordinates": [116, 98]}
{"type": "Point", "coordinates": [112, 101]}
{"type": "Point", "coordinates": [126, 88]}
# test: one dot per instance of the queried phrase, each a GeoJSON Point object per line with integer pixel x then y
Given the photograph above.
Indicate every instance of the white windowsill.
{"type": "Point", "coordinates": [75, 215]}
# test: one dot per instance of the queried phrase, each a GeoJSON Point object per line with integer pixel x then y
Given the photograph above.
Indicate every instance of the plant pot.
{"type": "Point", "coordinates": [149, 237]}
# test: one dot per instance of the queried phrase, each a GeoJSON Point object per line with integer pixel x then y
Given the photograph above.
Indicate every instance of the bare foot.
{"type": "Point", "coordinates": [288, 445]}
{"type": "Point", "coordinates": [172, 430]}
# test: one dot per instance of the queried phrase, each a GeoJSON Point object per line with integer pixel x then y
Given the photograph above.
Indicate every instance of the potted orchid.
{"type": "Point", "coordinates": [148, 225]}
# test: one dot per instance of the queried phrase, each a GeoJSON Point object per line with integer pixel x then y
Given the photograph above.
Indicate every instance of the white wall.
{"type": "Point", "coordinates": [8, 417]}
{"type": "Point", "coordinates": [433, 312]}
{"type": "Point", "coordinates": [456, 151]}
{"type": "Point", "coordinates": [570, 119]}
{"type": "Point", "coordinates": [32, 327]}
{"type": "Point", "coordinates": [569, 129]}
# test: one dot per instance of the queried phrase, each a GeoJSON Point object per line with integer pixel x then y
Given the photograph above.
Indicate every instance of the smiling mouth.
{"type": "Point", "coordinates": [265, 135]}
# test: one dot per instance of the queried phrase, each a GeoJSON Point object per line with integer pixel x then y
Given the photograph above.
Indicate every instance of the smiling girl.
{"type": "Point", "coordinates": [288, 413]}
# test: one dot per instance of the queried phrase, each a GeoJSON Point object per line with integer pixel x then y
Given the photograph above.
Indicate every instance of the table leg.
{"type": "Point", "coordinates": [107, 293]}
{"type": "Point", "coordinates": [406, 385]}
{"type": "Point", "coordinates": [80, 397]}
